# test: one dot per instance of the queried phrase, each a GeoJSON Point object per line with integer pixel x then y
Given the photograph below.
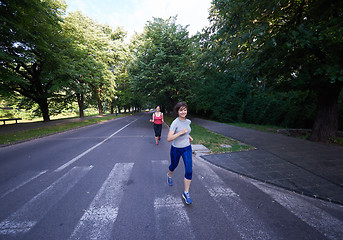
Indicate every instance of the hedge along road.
{"type": "Point", "coordinates": [108, 181]}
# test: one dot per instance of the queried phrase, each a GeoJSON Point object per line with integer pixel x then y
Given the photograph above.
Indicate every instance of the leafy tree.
{"type": "Point", "coordinates": [217, 92]}
{"type": "Point", "coordinates": [126, 90]}
{"type": "Point", "coordinates": [288, 45]}
{"type": "Point", "coordinates": [162, 67]}
{"type": "Point", "coordinates": [96, 51]}
{"type": "Point", "coordinates": [30, 44]}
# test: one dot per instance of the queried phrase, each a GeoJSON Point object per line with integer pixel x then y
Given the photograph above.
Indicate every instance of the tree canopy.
{"type": "Point", "coordinates": [274, 62]}
{"type": "Point", "coordinates": [30, 46]}
{"type": "Point", "coordinates": [282, 46]}
{"type": "Point", "coordinates": [97, 49]}
{"type": "Point", "coordinates": [163, 65]}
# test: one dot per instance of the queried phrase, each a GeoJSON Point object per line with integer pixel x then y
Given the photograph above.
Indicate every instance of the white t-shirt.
{"type": "Point", "coordinates": [177, 126]}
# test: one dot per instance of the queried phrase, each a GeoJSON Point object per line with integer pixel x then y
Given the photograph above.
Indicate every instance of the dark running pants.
{"type": "Point", "coordinates": [157, 129]}
{"type": "Point", "coordinates": [186, 153]}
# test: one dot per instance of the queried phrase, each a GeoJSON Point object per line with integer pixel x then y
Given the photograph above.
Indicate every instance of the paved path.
{"type": "Point", "coordinates": [306, 167]}
{"type": "Point", "coordinates": [108, 181]}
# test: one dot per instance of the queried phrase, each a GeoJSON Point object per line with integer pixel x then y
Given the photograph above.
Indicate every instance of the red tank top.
{"type": "Point", "coordinates": [158, 120]}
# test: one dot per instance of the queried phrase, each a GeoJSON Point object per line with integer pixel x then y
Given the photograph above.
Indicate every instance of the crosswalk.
{"type": "Point", "coordinates": [248, 225]}
{"type": "Point", "coordinates": [172, 217]}
{"type": "Point", "coordinates": [30, 213]}
{"type": "Point", "coordinates": [328, 225]}
{"type": "Point", "coordinates": [98, 220]}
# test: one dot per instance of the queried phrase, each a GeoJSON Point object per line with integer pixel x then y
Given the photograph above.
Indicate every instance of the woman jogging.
{"type": "Point", "coordinates": [181, 146]}
{"type": "Point", "coordinates": [157, 119]}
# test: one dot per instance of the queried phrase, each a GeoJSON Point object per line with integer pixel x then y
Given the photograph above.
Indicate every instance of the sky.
{"type": "Point", "coordinates": [132, 15]}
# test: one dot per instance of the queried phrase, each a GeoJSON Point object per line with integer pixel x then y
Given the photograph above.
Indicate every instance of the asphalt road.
{"type": "Point", "coordinates": [108, 181]}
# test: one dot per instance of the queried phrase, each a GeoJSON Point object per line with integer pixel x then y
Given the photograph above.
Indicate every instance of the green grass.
{"type": "Point", "coordinates": [264, 128]}
{"type": "Point", "coordinates": [38, 132]}
{"type": "Point", "coordinates": [339, 141]}
{"type": "Point", "coordinates": [213, 141]}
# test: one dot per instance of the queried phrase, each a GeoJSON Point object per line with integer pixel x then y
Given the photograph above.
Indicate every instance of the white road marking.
{"type": "Point", "coordinates": [172, 218]}
{"type": "Point", "coordinates": [163, 163]}
{"type": "Point", "coordinates": [21, 184]}
{"type": "Point", "coordinates": [245, 222]}
{"type": "Point", "coordinates": [34, 210]}
{"type": "Point", "coordinates": [91, 149]}
{"type": "Point", "coordinates": [323, 222]}
{"type": "Point", "coordinates": [170, 211]}
{"type": "Point", "coordinates": [98, 220]}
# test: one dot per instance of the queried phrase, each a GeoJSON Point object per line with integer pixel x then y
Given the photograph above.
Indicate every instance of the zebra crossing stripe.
{"type": "Point", "coordinates": [97, 222]}
{"type": "Point", "coordinates": [21, 184]}
{"type": "Point", "coordinates": [323, 222]}
{"type": "Point", "coordinates": [170, 212]}
{"type": "Point", "coordinates": [34, 210]}
{"type": "Point", "coordinates": [170, 209]}
{"type": "Point", "coordinates": [245, 222]}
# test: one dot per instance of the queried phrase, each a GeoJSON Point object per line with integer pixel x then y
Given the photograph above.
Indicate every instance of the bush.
{"type": "Point", "coordinates": [224, 98]}
{"type": "Point", "coordinates": [293, 109]}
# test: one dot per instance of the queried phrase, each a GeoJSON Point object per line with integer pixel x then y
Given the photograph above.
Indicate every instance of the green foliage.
{"type": "Point", "coordinates": [125, 88]}
{"type": "Point", "coordinates": [294, 43]}
{"type": "Point", "coordinates": [291, 109]}
{"type": "Point", "coordinates": [162, 68]}
{"type": "Point", "coordinates": [272, 62]}
{"type": "Point", "coordinates": [30, 43]}
{"type": "Point", "coordinates": [265, 62]}
{"type": "Point", "coordinates": [49, 58]}
{"type": "Point", "coordinates": [97, 51]}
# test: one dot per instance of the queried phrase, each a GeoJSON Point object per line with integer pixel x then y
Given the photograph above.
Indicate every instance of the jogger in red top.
{"type": "Point", "coordinates": [157, 119]}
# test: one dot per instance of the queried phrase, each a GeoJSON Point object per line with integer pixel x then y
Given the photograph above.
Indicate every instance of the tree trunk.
{"type": "Point", "coordinates": [326, 121]}
{"type": "Point", "coordinates": [100, 107]}
{"type": "Point", "coordinates": [80, 101]}
{"type": "Point", "coordinates": [44, 107]}
{"type": "Point", "coordinates": [112, 106]}
{"type": "Point", "coordinates": [101, 112]}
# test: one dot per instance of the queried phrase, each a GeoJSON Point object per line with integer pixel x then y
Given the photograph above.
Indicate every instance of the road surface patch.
{"type": "Point", "coordinates": [325, 223]}
{"type": "Point", "coordinates": [98, 220]}
{"type": "Point", "coordinates": [34, 210]}
{"type": "Point", "coordinates": [91, 149]}
{"type": "Point", "coordinates": [247, 224]}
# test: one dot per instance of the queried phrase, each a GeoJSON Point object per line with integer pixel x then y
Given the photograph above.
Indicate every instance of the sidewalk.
{"type": "Point", "coordinates": [308, 168]}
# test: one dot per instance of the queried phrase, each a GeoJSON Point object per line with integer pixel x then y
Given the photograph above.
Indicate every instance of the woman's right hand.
{"type": "Point", "coordinates": [172, 135]}
{"type": "Point", "coordinates": [183, 131]}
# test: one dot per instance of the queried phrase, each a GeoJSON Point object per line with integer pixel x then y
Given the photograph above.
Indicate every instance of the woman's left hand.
{"type": "Point", "coordinates": [190, 139]}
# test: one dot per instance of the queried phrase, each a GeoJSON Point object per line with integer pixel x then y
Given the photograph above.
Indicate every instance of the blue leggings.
{"type": "Point", "coordinates": [186, 153]}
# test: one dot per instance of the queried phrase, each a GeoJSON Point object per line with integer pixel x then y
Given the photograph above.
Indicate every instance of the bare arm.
{"type": "Point", "coordinates": [172, 135]}
{"type": "Point", "coordinates": [153, 118]}
{"type": "Point", "coordinates": [190, 138]}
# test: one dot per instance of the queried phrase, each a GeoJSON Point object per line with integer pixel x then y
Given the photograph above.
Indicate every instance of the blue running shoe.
{"type": "Point", "coordinates": [187, 198]}
{"type": "Point", "coordinates": [169, 180]}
